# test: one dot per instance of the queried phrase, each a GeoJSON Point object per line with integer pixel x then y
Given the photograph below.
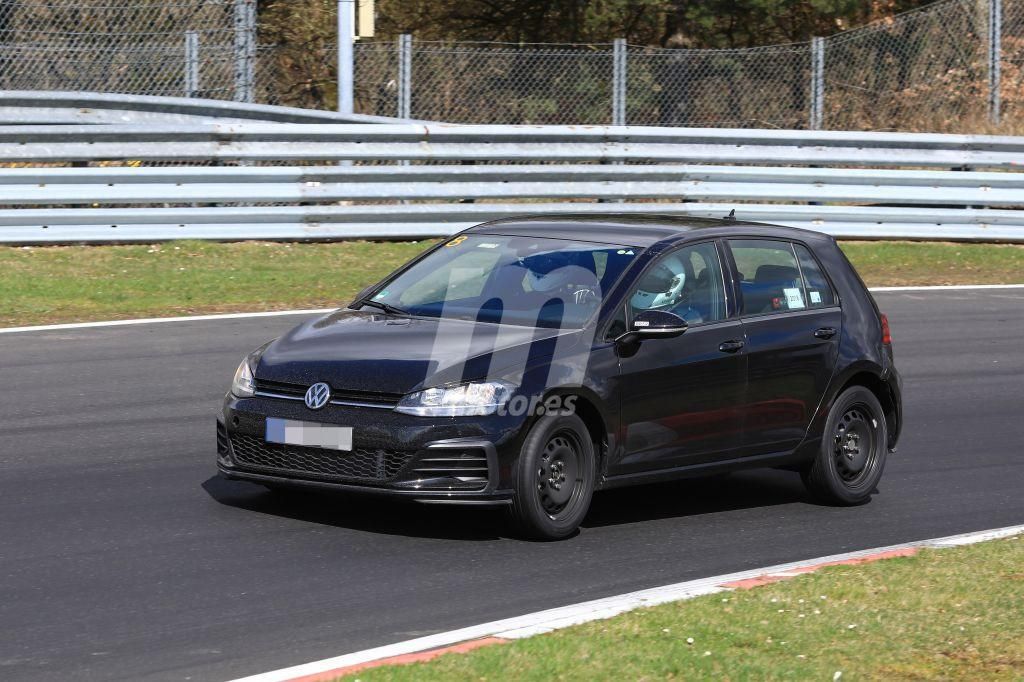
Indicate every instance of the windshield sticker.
{"type": "Point", "coordinates": [815, 297]}
{"type": "Point", "coordinates": [625, 252]}
{"type": "Point", "coordinates": [455, 242]}
{"type": "Point", "coordinates": [488, 245]}
{"type": "Point", "coordinates": [794, 300]}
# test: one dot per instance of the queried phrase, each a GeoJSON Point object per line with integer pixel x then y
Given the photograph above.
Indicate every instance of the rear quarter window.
{"type": "Point", "coordinates": [819, 291]}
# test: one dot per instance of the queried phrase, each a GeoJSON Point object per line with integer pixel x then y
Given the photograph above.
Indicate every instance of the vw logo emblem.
{"type": "Point", "coordinates": [318, 395]}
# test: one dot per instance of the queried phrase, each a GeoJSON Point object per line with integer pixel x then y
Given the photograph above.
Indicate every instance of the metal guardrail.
{"type": "Point", "coordinates": [903, 188]}
{"type": "Point", "coordinates": [28, 107]}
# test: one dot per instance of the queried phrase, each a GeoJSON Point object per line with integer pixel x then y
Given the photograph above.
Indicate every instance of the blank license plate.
{"type": "Point", "coordinates": [309, 434]}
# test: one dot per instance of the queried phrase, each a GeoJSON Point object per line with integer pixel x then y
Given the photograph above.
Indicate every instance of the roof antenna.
{"type": "Point", "coordinates": [732, 215]}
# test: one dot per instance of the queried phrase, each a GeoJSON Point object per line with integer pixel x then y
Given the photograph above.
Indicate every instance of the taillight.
{"type": "Point", "coordinates": [886, 336]}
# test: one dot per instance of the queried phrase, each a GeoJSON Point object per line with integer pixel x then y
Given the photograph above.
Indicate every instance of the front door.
{"type": "Point", "coordinates": [792, 322]}
{"type": "Point", "coordinates": [681, 398]}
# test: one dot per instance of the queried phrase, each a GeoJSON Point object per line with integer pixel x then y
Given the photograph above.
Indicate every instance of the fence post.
{"type": "Point", "coordinates": [191, 63]}
{"type": "Point", "coordinates": [817, 118]}
{"type": "Point", "coordinates": [995, 49]}
{"type": "Point", "coordinates": [346, 34]}
{"type": "Point", "coordinates": [405, 76]}
{"type": "Point", "coordinates": [245, 50]}
{"type": "Point", "coordinates": [619, 82]}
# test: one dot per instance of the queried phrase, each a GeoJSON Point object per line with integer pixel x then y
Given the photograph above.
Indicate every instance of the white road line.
{"type": "Point", "coordinates": [949, 287]}
{"type": "Point", "coordinates": [321, 311]}
{"type": "Point", "coordinates": [153, 320]}
{"type": "Point", "coordinates": [599, 609]}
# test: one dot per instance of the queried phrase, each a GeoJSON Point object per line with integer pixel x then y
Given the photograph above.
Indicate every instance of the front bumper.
{"type": "Point", "coordinates": [445, 460]}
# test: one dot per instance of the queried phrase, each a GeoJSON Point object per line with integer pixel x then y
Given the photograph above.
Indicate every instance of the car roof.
{"type": "Point", "coordinates": [631, 229]}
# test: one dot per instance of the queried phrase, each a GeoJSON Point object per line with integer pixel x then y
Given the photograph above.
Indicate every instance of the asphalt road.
{"type": "Point", "coordinates": [122, 556]}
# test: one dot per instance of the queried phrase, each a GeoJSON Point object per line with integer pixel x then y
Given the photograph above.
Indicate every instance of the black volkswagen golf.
{"type": "Point", "coordinates": [529, 362]}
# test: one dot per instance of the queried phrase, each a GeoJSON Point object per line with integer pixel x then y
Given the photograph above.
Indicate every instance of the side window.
{"type": "Point", "coordinates": [769, 276]}
{"type": "Point", "coordinates": [819, 293]}
{"type": "Point", "coordinates": [687, 282]}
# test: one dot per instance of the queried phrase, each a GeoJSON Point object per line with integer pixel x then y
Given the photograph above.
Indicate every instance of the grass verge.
{"type": "Point", "coordinates": [40, 285]}
{"type": "Point", "coordinates": [941, 614]}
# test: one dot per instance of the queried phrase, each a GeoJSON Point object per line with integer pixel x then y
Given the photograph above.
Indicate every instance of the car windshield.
{"type": "Point", "coordinates": [527, 281]}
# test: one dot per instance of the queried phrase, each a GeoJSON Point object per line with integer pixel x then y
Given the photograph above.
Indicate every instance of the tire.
{"type": "Point", "coordinates": [853, 450]}
{"type": "Point", "coordinates": [553, 479]}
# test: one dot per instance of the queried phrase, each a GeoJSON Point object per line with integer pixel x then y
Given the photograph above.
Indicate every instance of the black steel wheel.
{"type": "Point", "coordinates": [560, 482]}
{"type": "Point", "coordinates": [853, 449]}
{"type": "Point", "coordinates": [853, 444]}
{"type": "Point", "coordinates": [554, 478]}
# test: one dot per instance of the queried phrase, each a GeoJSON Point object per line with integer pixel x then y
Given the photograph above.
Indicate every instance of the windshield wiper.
{"type": "Point", "coordinates": [386, 307]}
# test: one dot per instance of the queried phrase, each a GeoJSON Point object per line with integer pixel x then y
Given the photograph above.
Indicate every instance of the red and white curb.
{"type": "Point", "coordinates": [321, 311]}
{"type": "Point", "coordinates": [465, 639]}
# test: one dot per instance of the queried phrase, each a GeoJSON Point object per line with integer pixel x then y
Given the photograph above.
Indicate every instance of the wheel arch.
{"type": "Point", "coordinates": [587, 407]}
{"type": "Point", "coordinates": [874, 382]}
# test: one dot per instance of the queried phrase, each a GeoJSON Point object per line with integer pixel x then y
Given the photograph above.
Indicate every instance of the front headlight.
{"type": "Point", "coordinates": [244, 383]}
{"type": "Point", "coordinates": [467, 400]}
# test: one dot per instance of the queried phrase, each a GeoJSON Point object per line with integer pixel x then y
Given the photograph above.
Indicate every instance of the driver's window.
{"type": "Point", "coordinates": [687, 282]}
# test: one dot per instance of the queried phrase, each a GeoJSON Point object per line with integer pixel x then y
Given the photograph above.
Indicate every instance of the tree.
{"type": "Point", "coordinates": [667, 23]}
{"type": "Point", "coordinates": [749, 23]}
{"type": "Point", "coordinates": [522, 21]}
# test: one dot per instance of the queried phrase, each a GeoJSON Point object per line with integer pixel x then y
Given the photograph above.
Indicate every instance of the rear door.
{"type": "Point", "coordinates": [792, 324]}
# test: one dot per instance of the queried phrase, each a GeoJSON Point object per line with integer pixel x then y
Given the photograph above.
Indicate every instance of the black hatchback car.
{"type": "Point", "coordinates": [529, 362]}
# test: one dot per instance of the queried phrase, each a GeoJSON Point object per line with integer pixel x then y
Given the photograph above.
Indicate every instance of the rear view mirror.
{"type": "Point", "coordinates": [651, 324]}
{"type": "Point", "coordinates": [659, 323]}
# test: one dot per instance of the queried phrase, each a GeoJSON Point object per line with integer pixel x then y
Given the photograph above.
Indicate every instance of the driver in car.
{"type": "Point", "coordinates": [665, 288]}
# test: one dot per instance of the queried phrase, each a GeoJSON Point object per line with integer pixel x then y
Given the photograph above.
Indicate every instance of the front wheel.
{"type": "Point", "coordinates": [853, 449]}
{"type": "Point", "coordinates": [554, 478]}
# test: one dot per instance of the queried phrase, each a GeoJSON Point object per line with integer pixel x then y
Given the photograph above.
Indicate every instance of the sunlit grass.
{"type": "Point", "coordinates": [75, 283]}
{"type": "Point", "coordinates": [943, 614]}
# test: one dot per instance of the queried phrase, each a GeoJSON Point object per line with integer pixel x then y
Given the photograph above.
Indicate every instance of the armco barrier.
{"type": "Point", "coordinates": [32, 107]}
{"type": "Point", "coordinates": [374, 180]}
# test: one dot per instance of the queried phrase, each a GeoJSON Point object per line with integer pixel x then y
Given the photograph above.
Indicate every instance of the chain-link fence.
{"type": "Point", "coordinates": [951, 66]}
{"type": "Point", "coordinates": [955, 65]}
{"type": "Point", "coordinates": [197, 48]}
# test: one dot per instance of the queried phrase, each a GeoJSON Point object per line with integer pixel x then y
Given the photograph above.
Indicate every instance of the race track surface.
{"type": "Point", "coordinates": [122, 555]}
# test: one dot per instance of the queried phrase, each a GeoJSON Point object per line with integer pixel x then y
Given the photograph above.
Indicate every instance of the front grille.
{"type": "Point", "coordinates": [361, 465]}
{"type": "Point", "coordinates": [338, 395]}
{"type": "Point", "coordinates": [281, 388]}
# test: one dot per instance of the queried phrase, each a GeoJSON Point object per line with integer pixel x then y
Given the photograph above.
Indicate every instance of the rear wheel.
{"type": "Point", "coordinates": [554, 478]}
{"type": "Point", "coordinates": [853, 449]}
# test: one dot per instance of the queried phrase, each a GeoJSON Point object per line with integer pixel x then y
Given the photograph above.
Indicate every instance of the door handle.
{"type": "Point", "coordinates": [825, 332]}
{"type": "Point", "coordinates": [730, 346]}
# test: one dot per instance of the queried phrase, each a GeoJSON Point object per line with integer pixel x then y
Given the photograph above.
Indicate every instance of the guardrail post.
{"type": "Point", "coordinates": [817, 115]}
{"type": "Point", "coordinates": [405, 76]}
{"type": "Point", "coordinates": [995, 49]}
{"type": "Point", "coordinates": [191, 64]}
{"type": "Point", "coordinates": [245, 50]}
{"type": "Point", "coordinates": [619, 82]}
{"type": "Point", "coordinates": [346, 34]}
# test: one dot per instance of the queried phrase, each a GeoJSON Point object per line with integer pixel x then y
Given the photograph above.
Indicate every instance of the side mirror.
{"type": "Point", "coordinates": [654, 324]}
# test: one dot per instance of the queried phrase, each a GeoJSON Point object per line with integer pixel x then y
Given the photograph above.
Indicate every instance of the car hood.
{"type": "Point", "coordinates": [360, 350]}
